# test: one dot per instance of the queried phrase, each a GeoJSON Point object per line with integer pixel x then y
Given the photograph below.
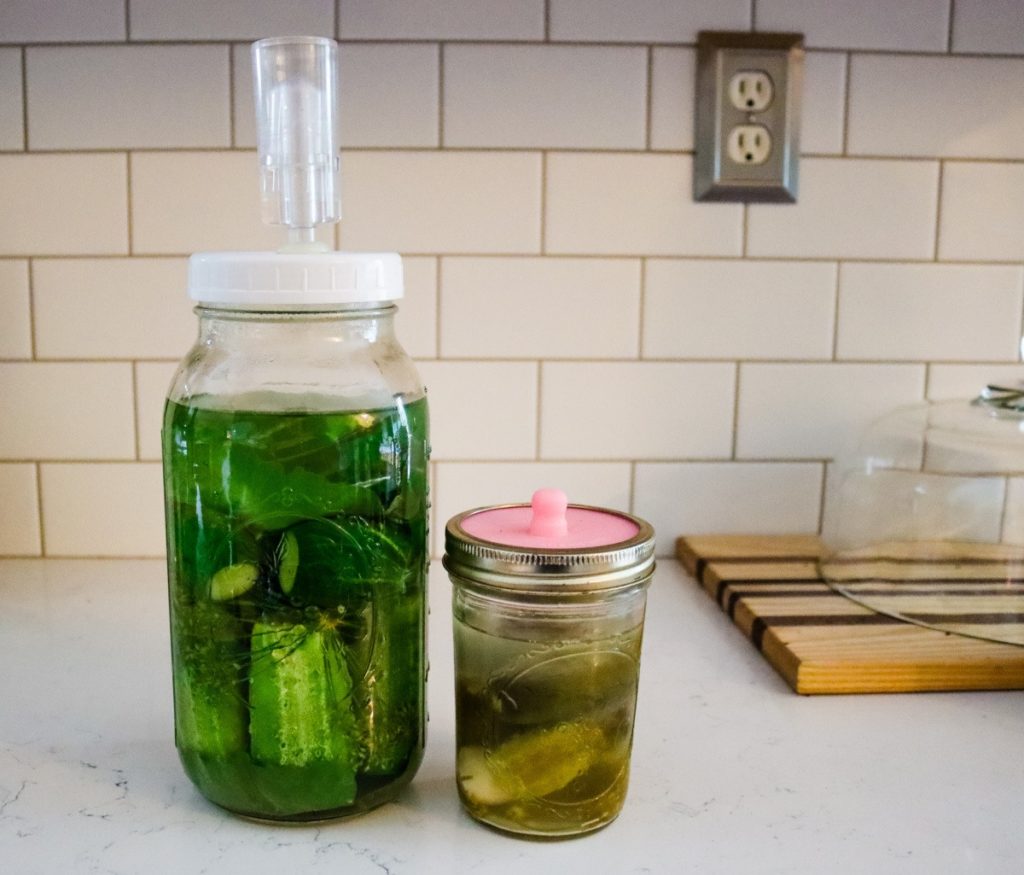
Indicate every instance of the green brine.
{"type": "Point", "coordinates": [297, 562]}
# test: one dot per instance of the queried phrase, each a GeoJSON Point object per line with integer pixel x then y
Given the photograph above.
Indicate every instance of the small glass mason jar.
{"type": "Point", "coordinates": [548, 622]}
{"type": "Point", "coordinates": [295, 462]}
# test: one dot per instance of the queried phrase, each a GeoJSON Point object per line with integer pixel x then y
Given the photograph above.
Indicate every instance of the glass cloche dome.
{"type": "Point", "coordinates": [926, 517]}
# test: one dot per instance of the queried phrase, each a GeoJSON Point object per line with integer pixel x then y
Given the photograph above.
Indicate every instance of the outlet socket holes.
{"type": "Point", "coordinates": [751, 90]}
{"type": "Point", "coordinates": [749, 144]}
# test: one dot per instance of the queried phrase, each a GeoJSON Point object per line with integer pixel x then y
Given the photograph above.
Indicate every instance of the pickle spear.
{"type": "Point", "coordinates": [300, 698]}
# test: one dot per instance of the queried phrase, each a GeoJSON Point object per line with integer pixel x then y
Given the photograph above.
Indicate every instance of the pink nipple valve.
{"type": "Point", "coordinates": [548, 519]}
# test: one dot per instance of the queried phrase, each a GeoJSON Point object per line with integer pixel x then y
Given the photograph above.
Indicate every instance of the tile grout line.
{"type": "Point", "coordinates": [835, 312]}
{"type": "Point", "coordinates": [846, 105]}
{"type": "Point", "coordinates": [952, 18]}
{"type": "Point", "coordinates": [135, 411]}
{"type": "Point", "coordinates": [753, 14]}
{"type": "Point", "coordinates": [584, 360]}
{"type": "Point", "coordinates": [823, 497]}
{"type": "Point", "coordinates": [539, 409]}
{"type": "Point", "coordinates": [128, 198]}
{"type": "Point", "coordinates": [39, 507]}
{"type": "Point", "coordinates": [440, 95]}
{"type": "Point", "coordinates": [649, 110]}
{"type": "Point", "coordinates": [1020, 331]}
{"type": "Point", "coordinates": [616, 151]}
{"type": "Point", "coordinates": [33, 343]}
{"type": "Point", "coordinates": [735, 412]}
{"type": "Point", "coordinates": [642, 308]}
{"type": "Point", "coordinates": [127, 21]}
{"type": "Point", "coordinates": [940, 182]}
{"type": "Point", "coordinates": [632, 486]}
{"type": "Point", "coordinates": [563, 43]}
{"type": "Point", "coordinates": [336, 23]}
{"type": "Point", "coordinates": [887, 261]}
{"type": "Point", "coordinates": [543, 206]}
{"type": "Point", "coordinates": [438, 297]}
{"type": "Point", "coordinates": [547, 21]}
{"type": "Point", "coordinates": [24, 98]}
{"type": "Point", "coordinates": [232, 133]}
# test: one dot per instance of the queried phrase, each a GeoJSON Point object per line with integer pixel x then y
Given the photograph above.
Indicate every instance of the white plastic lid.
{"type": "Point", "coordinates": [281, 280]}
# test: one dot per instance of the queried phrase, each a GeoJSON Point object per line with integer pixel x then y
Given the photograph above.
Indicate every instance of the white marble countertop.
{"type": "Point", "coordinates": [731, 771]}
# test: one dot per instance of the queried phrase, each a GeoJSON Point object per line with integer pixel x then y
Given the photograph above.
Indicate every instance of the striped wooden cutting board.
{"type": "Point", "coordinates": [823, 642]}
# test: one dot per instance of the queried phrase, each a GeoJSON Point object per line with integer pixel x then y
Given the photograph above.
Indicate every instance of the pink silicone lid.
{"type": "Point", "coordinates": [549, 524]}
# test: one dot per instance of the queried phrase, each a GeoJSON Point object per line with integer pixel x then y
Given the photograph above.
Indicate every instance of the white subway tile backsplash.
{"type": "Point", "coordinates": [804, 411]}
{"type": "Point", "coordinates": [111, 97]}
{"type": "Point", "coordinates": [518, 185]}
{"type": "Point", "coordinates": [12, 113]}
{"type": "Point", "coordinates": [636, 410]}
{"type": "Point", "coordinates": [699, 498]}
{"type": "Point", "coordinates": [388, 95]}
{"type": "Point", "coordinates": [229, 19]}
{"type": "Point", "coordinates": [673, 86]}
{"type": "Point", "coordinates": [15, 310]}
{"type": "Point", "coordinates": [442, 19]}
{"type": "Point", "coordinates": [982, 216]}
{"type": "Point", "coordinates": [63, 205]}
{"type": "Point", "coordinates": [42, 21]}
{"type": "Point", "coordinates": [947, 382]}
{"type": "Point", "coordinates": [152, 380]}
{"type": "Point", "coordinates": [988, 26]}
{"type": "Point", "coordinates": [130, 497]}
{"type": "Point", "coordinates": [481, 410]}
{"type": "Point", "coordinates": [929, 311]}
{"type": "Point", "coordinates": [442, 202]}
{"type": "Point", "coordinates": [545, 96]}
{"type": "Point", "coordinates": [184, 202]}
{"type": "Point", "coordinates": [738, 309]}
{"type": "Point", "coordinates": [416, 322]}
{"type": "Point", "coordinates": [915, 118]}
{"type": "Point", "coordinates": [19, 511]}
{"type": "Point", "coordinates": [463, 486]}
{"type": "Point", "coordinates": [112, 308]}
{"type": "Point", "coordinates": [824, 99]}
{"type": "Point", "coordinates": [540, 308]}
{"type": "Point", "coordinates": [850, 208]}
{"type": "Point", "coordinates": [659, 21]}
{"type": "Point", "coordinates": [67, 411]}
{"type": "Point", "coordinates": [633, 204]}
{"type": "Point", "coordinates": [908, 25]}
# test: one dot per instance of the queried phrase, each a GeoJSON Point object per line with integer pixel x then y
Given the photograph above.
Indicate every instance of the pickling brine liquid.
{"type": "Point", "coordinates": [544, 729]}
{"type": "Point", "coordinates": [297, 563]}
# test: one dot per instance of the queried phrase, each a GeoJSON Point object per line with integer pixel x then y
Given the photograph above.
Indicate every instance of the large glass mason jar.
{"type": "Point", "coordinates": [295, 461]}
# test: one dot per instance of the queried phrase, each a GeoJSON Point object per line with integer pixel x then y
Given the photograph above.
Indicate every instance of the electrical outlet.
{"type": "Point", "coordinates": [747, 127]}
{"type": "Point", "coordinates": [749, 144]}
{"type": "Point", "coordinates": [751, 90]}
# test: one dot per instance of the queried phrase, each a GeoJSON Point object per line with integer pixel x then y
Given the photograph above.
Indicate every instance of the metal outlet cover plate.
{"type": "Point", "coordinates": [721, 55]}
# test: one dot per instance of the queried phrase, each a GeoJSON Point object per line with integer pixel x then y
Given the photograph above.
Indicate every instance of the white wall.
{"type": "Point", "coordinates": [578, 318]}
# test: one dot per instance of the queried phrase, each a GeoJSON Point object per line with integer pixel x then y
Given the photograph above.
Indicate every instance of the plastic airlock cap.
{"type": "Point", "coordinates": [296, 101]}
{"type": "Point", "coordinates": [548, 523]}
{"type": "Point", "coordinates": [295, 83]}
